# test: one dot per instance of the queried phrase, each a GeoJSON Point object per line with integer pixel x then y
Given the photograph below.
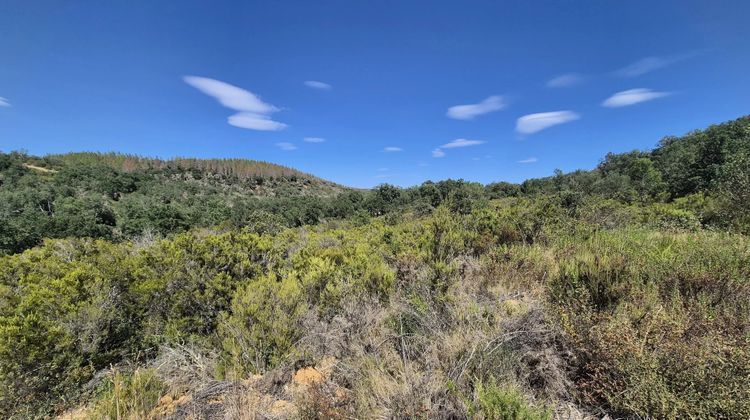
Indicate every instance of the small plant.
{"type": "Point", "coordinates": [493, 401]}
{"type": "Point", "coordinates": [129, 396]}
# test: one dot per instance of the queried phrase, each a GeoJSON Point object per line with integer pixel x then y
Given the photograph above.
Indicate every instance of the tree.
{"type": "Point", "coordinates": [383, 198]}
{"type": "Point", "coordinates": [734, 191]}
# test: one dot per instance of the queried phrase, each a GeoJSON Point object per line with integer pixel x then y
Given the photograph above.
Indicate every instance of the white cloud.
{"type": "Point", "coordinates": [643, 66]}
{"type": "Point", "coordinates": [393, 149]}
{"type": "Point", "coordinates": [286, 146]}
{"type": "Point", "coordinates": [230, 96]}
{"type": "Point", "coordinates": [439, 152]}
{"type": "Point", "coordinates": [461, 143]}
{"type": "Point", "coordinates": [564, 80]}
{"type": "Point", "coordinates": [4, 102]}
{"type": "Point", "coordinates": [529, 160]}
{"type": "Point", "coordinates": [255, 122]}
{"type": "Point", "coordinates": [314, 139]}
{"type": "Point", "coordinates": [532, 123]}
{"type": "Point", "coordinates": [252, 113]}
{"type": "Point", "coordinates": [649, 64]}
{"type": "Point", "coordinates": [315, 84]}
{"type": "Point", "coordinates": [382, 169]}
{"type": "Point", "coordinates": [632, 97]}
{"type": "Point", "coordinates": [470, 111]}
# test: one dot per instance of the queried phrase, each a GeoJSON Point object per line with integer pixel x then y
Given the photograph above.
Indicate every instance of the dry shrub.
{"type": "Point", "coordinates": [423, 353]}
{"type": "Point", "coordinates": [321, 400]}
{"type": "Point", "coordinates": [185, 367]}
{"type": "Point", "coordinates": [544, 356]}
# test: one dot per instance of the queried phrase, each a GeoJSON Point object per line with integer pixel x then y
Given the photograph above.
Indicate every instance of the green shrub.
{"type": "Point", "coordinates": [504, 402]}
{"type": "Point", "coordinates": [659, 322]}
{"type": "Point", "coordinates": [184, 284]}
{"type": "Point", "coordinates": [263, 324]}
{"type": "Point", "coordinates": [668, 217]}
{"type": "Point", "coordinates": [49, 343]}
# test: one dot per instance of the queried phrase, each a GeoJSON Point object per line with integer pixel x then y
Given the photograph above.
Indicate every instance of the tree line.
{"type": "Point", "coordinates": [112, 196]}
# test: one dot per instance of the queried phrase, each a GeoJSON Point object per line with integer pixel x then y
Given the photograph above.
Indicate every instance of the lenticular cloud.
{"type": "Point", "coordinates": [253, 113]}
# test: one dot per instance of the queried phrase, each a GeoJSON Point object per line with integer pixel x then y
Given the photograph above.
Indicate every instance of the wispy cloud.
{"type": "Point", "coordinates": [632, 97]}
{"type": "Point", "coordinates": [461, 143]}
{"type": "Point", "coordinates": [391, 149]}
{"type": "Point", "coordinates": [565, 80]}
{"type": "Point", "coordinates": [4, 102]}
{"type": "Point", "coordinates": [315, 84]}
{"type": "Point", "coordinates": [649, 64]}
{"type": "Point", "coordinates": [471, 111]}
{"type": "Point", "coordinates": [532, 123]}
{"type": "Point", "coordinates": [643, 66]}
{"type": "Point", "coordinates": [286, 146]}
{"type": "Point", "coordinates": [253, 121]}
{"type": "Point", "coordinates": [314, 139]}
{"type": "Point", "coordinates": [252, 113]}
{"type": "Point", "coordinates": [529, 160]}
{"type": "Point", "coordinates": [439, 152]}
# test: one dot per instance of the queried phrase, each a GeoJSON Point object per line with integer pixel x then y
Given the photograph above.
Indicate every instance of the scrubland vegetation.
{"type": "Point", "coordinates": [180, 290]}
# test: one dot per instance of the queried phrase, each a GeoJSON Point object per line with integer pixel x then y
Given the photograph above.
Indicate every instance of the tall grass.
{"type": "Point", "coordinates": [129, 396]}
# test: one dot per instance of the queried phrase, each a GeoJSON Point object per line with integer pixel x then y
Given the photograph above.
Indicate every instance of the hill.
{"type": "Point", "coordinates": [117, 196]}
{"type": "Point", "coordinates": [247, 176]}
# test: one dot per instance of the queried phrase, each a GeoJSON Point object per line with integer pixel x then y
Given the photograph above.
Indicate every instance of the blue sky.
{"type": "Point", "coordinates": [388, 91]}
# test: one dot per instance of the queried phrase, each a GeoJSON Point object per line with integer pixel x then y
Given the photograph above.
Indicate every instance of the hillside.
{"type": "Point", "coordinates": [116, 196]}
{"type": "Point", "coordinates": [245, 176]}
{"type": "Point", "coordinates": [136, 288]}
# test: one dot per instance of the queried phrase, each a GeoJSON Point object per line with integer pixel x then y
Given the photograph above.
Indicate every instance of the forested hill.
{"type": "Point", "coordinates": [701, 161]}
{"type": "Point", "coordinates": [226, 171]}
{"type": "Point", "coordinates": [117, 196]}
{"type": "Point", "coordinates": [702, 176]}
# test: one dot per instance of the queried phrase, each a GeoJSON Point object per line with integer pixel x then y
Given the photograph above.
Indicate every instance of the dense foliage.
{"type": "Point", "coordinates": [623, 290]}
{"type": "Point", "coordinates": [116, 197]}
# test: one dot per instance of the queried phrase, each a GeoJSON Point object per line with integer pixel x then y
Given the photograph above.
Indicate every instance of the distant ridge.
{"type": "Point", "coordinates": [240, 168]}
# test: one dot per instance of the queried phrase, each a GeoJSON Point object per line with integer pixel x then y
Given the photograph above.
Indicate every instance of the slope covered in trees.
{"type": "Point", "coordinates": [624, 290]}
{"type": "Point", "coordinates": [117, 196]}
{"type": "Point", "coordinates": [710, 162]}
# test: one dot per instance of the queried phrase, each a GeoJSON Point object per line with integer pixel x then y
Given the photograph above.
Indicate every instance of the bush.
{"type": "Point", "coordinates": [263, 325]}
{"type": "Point", "coordinates": [668, 217]}
{"type": "Point", "coordinates": [185, 283]}
{"type": "Point", "coordinates": [497, 402]}
{"type": "Point", "coordinates": [49, 345]}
